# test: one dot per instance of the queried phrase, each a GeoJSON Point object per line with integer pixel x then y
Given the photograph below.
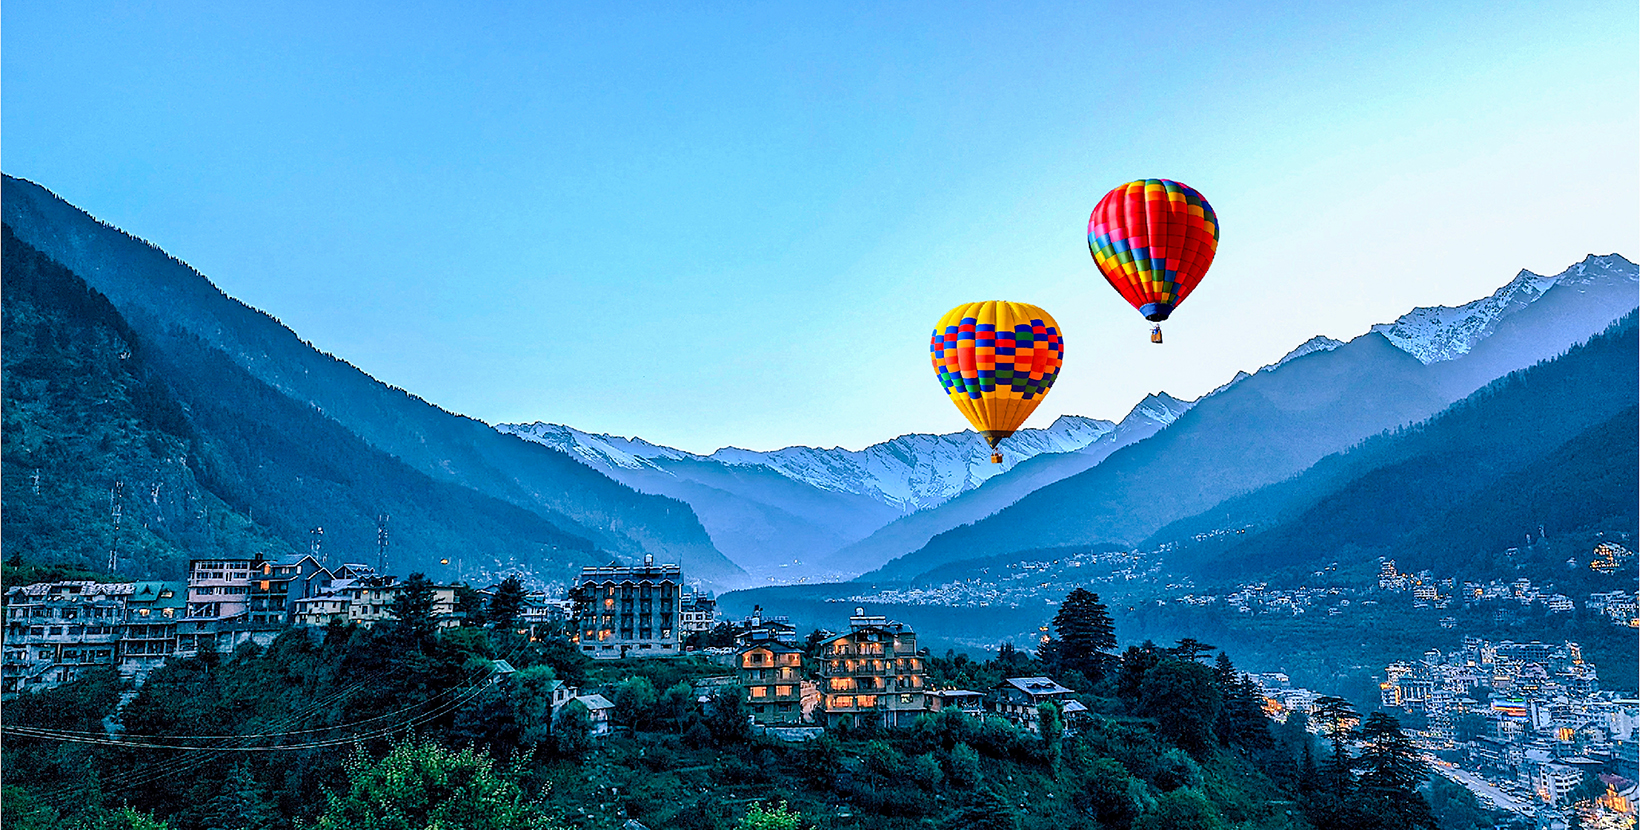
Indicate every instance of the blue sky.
{"type": "Point", "coordinates": [737, 223]}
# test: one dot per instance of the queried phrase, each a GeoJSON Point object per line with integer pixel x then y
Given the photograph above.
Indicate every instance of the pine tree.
{"type": "Point", "coordinates": [413, 607]}
{"type": "Point", "coordinates": [238, 804]}
{"type": "Point", "coordinates": [1086, 633]}
{"type": "Point", "coordinates": [1338, 718]}
{"type": "Point", "coordinates": [507, 603]}
{"type": "Point", "coordinates": [1181, 696]}
{"type": "Point", "coordinates": [1391, 771]}
{"type": "Point", "coordinates": [1136, 662]}
{"type": "Point", "coordinates": [1308, 775]}
{"type": "Point", "coordinates": [1248, 725]}
{"type": "Point", "coordinates": [1192, 649]}
{"type": "Point", "coordinates": [469, 605]}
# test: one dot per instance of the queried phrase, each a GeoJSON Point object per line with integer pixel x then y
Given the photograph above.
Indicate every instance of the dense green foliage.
{"type": "Point", "coordinates": [419, 785]}
{"type": "Point", "coordinates": [396, 727]}
{"type": "Point", "coordinates": [1085, 636]}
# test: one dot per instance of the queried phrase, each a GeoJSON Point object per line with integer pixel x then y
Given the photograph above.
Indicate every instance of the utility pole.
{"type": "Point", "coordinates": [381, 543]}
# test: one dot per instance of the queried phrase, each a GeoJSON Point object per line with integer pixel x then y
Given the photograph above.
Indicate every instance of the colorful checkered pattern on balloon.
{"type": "Point", "coordinates": [1156, 235]}
{"type": "Point", "coordinates": [972, 358]}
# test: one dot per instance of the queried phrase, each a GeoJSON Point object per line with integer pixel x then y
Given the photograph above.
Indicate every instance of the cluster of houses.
{"type": "Point", "coordinates": [55, 630]}
{"type": "Point", "coordinates": [873, 673]}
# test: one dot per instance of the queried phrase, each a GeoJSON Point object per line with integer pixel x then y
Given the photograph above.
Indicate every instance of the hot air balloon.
{"type": "Point", "coordinates": [996, 361]}
{"type": "Point", "coordinates": [1154, 240]}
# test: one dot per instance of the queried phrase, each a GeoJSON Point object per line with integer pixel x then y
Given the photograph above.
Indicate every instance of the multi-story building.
{"type": "Point", "coordinates": [628, 611]}
{"type": "Point", "coordinates": [370, 600]}
{"type": "Point", "coordinates": [367, 599]}
{"type": "Point", "coordinates": [697, 613]}
{"type": "Point", "coordinates": [276, 586]}
{"type": "Point", "coordinates": [219, 589]}
{"type": "Point", "coordinates": [872, 674]}
{"type": "Point", "coordinates": [758, 628]}
{"type": "Point", "coordinates": [218, 612]}
{"type": "Point", "coordinates": [771, 672]}
{"type": "Point", "coordinates": [1016, 699]}
{"type": "Point", "coordinates": [55, 630]}
{"type": "Point", "coordinates": [150, 636]}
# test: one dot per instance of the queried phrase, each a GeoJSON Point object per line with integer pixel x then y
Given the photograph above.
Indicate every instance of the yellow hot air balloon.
{"type": "Point", "coordinates": [997, 360]}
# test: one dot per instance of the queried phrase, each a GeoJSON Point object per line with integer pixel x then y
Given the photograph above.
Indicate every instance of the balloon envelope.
{"type": "Point", "coordinates": [1154, 240]}
{"type": "Point", "coordinates": [996, 361]}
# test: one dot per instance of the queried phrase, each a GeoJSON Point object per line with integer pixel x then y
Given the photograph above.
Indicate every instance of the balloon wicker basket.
{"type": "Point", "coordinates": [1156, 335]}
{"type": "Point", "coordinates": [996, 458]}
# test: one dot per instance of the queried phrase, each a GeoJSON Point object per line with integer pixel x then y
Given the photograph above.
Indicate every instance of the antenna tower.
{"type": "Point", "coordinates": [316, 540]}
{"type": "Point", "coordinates": [116, 506]}
{"type": "Point", "coordinates": [381, 543]}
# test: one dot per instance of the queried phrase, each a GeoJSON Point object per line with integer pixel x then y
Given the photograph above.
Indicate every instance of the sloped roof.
{"type": "Point", "coordinates": [1035, 686]}
{"type": "Point", "coordinates": [772, 645]}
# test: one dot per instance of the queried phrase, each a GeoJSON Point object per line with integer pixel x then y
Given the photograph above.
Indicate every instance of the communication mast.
{"type": "Point", "coordinates": [316, 540]}
{"type": "Point", "coordinates": [381, 543]}
{"type": "Point", "coordinates": [116, 506]}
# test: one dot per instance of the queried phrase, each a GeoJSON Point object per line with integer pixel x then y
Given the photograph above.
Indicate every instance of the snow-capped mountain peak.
{"type": "Point", "coordinates": [1434, 334]}
{"type": "Point", "coordinates": [1318, 343]}
{"type": "Point", "coordinates": [1160, 407]}
{"type": "Point", "coordinates": [596, 451]}
{"type": "Point", "coordinates": [917, 471]}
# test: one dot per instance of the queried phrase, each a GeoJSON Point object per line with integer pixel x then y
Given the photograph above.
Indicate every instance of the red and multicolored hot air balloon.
{"type": "Point", "coordinates": [996, 361]}
{"type": "Point", "coordinates": [1154, 240]}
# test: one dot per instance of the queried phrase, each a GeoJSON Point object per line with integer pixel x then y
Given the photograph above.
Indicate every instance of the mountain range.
{"type": "Point", "coordinates": [1265, 427]}
{"type": "Point", "coordinates": [550, 497]}
{"type": "Point", "coordinates": [161, 297]}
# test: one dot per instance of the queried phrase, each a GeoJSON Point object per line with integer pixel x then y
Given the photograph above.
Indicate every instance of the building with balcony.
{"type": "Point", "coordinates": [150, 636]}
{"type": "Point", "coordinates": [276, 586]}
{"type": "Point", "coordinates": [963, 700]}
{"type": "Point", "coordinates": [874, 673]}
{"type": "Point", "coordinates": [771, 672]}
{"type": "Point", "coordinates": [697, 613]}
{"type": "Point", "coordinates": [1016, 699]}
{"type": "Point", "coordinates": [56, 630]}
{"type": "Point", "coordinates": [628, 611]}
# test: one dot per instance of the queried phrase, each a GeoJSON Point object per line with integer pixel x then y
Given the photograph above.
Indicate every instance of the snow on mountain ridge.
{"type": "Point", "coordinates": [1318, 343]}
{"type": "Point", "coordinates": [909, 472]}
{"type": "Point", "coordinates": [916, 471]}
{"type": "Point", "coordinates": [1436, 333]}
{"type": "Point", "coordinates": [590, 449]}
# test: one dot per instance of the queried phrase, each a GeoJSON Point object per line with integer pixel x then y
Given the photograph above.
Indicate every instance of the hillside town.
{"type": "Point", "coordinates": [872, 674]}
{"type": "Point", "coordinates": [1525, 726]}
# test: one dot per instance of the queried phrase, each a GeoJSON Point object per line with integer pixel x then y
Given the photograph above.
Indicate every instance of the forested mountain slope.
{"type": "Point", "coordinates": [202, 459]}
{"type": "Point", "coordinates": [1546, 449]}
{"type": "Point", "coordinates": [1263, 428]}
{"type": "Point", "coordinates": [157, 293]}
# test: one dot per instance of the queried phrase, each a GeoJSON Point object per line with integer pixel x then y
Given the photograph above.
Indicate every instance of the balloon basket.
{"type": "Point", "coordinates": [1156, 335]}
{"type": "Point", "coordinates": [996, 458]}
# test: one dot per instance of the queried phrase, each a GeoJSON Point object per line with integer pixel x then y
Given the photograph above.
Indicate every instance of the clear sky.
{"type": "Point", "coordinates": [714, 224]}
